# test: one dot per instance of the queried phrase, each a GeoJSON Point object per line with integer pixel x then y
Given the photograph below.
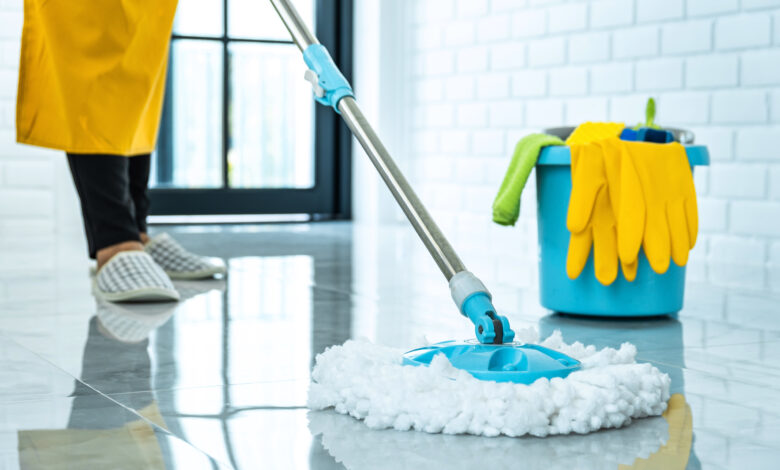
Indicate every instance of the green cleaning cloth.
{"type": "Point", "coordinates": [506, 206]}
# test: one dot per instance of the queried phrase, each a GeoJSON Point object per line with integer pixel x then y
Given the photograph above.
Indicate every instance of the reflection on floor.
{"type": "Point", "coordinates": [219, 379]}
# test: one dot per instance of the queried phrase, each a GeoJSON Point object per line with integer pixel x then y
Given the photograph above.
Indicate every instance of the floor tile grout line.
{"type": "Point", "coordinates": [107, 397]}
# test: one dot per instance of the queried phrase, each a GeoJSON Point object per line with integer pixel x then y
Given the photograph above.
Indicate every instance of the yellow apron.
{"type": "Point", "coordinates": [92, 74]}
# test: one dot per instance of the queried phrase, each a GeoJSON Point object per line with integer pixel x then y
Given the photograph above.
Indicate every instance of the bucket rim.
{"type": "Point", "coordinates": [698, 155]}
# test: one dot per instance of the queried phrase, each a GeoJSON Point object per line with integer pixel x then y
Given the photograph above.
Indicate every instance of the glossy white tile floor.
{"type": "Point", "coordinates": [219, 379]}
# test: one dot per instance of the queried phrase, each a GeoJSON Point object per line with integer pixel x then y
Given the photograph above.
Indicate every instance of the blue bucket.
{"type": "Point", "coordinates": [650, 294]}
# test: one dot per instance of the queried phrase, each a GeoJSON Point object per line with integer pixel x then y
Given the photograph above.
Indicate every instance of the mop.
{"type": "Point", "coordinates": [370, 382]}
{"type": "Point", "coordinates": [494, 385]}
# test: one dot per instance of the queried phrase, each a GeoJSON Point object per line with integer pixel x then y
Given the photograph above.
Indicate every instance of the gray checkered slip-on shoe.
{"type": "Point", "coordinates": [179, 263]}
{"type": "Point", "coordinates": [133, 276]}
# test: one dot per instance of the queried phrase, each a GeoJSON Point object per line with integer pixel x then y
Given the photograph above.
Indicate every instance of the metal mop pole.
{"type": "Point", "coordinates": [465, 287]}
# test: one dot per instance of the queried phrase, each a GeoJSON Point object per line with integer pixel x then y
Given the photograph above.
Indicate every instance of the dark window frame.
{"type": "Point", "coordinates": [330, 198]}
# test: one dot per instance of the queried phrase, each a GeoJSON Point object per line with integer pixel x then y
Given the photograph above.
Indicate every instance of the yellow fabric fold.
{"type": "Point", "coordinates": [92, 74]}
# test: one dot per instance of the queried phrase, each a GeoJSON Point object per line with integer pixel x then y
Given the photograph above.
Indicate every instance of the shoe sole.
{"type": "Point", "coordinates": [147, 294]}
{"type": "Point", "coordinates": [202, 274]}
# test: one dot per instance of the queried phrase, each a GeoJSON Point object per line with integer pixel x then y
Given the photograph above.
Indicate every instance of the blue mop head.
{"type": "Point", "coordinates": [514, 362]}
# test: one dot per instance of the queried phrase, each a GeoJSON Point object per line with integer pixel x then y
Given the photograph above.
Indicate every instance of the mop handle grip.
{"type": "Point", "coordinates": [328, 83]}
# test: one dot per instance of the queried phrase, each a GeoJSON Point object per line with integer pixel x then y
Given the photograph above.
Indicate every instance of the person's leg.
{"type": "Point", "coordinates": [139, 167]}
{"type": "Point", "coordinates": [102, 183]}
{"type": "Point", "coordinates": [85, 217]}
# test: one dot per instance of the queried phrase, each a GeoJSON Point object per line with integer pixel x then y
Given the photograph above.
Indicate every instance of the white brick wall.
{"type": "Point", "coordinates": [711, 7]}
{"type": "Point", "coordinates": [742, 31]}
{"type": "Point", "coordinates": [685, 37]}
{"type": "Point", "coordinates": [648, 11]}
{"type": "Point", "coordinates": [712, 65]}
{"type": "Point", "coordinates": [486, 72]}
{"type": "Point", "coordinates": [30, 178]}
{"type": "Point", "coordinates": [712, 71]}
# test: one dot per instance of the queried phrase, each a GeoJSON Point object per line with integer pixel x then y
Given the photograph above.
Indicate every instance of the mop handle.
{"type": "Point", "coordinates": [331, 88]}
{"type": "Point", "coordinates": [434, 240]}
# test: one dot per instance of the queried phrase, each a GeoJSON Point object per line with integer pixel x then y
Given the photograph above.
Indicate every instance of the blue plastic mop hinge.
{"type": "Point", "coordinates": [328, 82]}
{"type": "Point", "coordinates": [490, 327]}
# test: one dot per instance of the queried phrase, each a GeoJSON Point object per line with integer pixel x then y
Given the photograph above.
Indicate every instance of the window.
{"type": "Point", "coordinates": [240, 131]}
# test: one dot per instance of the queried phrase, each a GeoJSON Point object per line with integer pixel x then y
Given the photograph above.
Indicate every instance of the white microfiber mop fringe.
{"type": "Point", "coordinates": [368, 382]}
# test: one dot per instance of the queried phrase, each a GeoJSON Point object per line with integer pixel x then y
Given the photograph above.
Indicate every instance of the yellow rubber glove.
{"type": "Point", "coordinates": [613, 150]}
{"type": "Point", "coordinates": [658, 177]}
{"type": "Point", "coordinates": [591, 219]}
{"type": "Point", "coordinates": [590, 209]}
{"type": "Point", "coordinates": [589, 132]}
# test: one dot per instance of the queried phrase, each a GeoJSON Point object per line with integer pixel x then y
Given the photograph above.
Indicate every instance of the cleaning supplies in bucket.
{"type": "Point", "coordinates": [650, 293]}
{"type": "Point", "coordinates": [625, 195]}
{"type": "Point", "coordinates": [587, 265]}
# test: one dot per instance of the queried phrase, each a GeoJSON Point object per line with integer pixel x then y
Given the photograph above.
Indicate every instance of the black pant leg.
{"type": "Point", "coordinates": [102, 182]}
{"type": "Point", "coordinates": [139, 188]}
{"type": "Point", "coordinates": [85, 213]}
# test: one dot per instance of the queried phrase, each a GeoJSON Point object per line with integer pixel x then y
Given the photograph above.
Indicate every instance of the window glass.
{"type": "Point", "coordinates": [196, 114]}
{"type": "Point", "coordinates": [199, 18]}
{"type": "Point", "coordinates": [258, 20]}
{"type": "Point", "coordinates": [271, 118]}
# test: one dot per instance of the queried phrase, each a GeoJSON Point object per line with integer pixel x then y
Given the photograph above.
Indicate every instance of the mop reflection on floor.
{"type": "Point", "coordinates": [359, 448]}
{"type": "Point", "coordinates": [648, 443]}
{"type": "Point", "coordinates": [650, 335]}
